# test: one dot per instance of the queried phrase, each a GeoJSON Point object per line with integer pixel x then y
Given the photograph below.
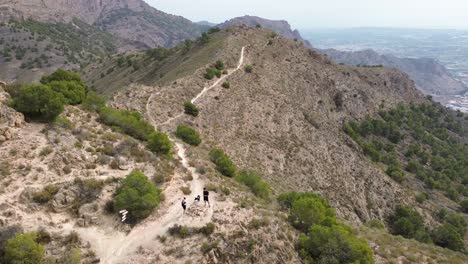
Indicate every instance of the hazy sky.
{"type": "Point", "coordinates": [305, 14]}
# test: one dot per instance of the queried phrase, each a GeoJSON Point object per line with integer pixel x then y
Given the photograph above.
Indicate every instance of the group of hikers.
{"type": "Point", "coordinates": [206, 193]}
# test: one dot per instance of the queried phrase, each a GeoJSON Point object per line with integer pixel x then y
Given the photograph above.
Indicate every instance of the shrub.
{"type": "Point", "coordinates": [375, 223]}
{"type": "Point", "coordinates": [308, 211]}
{"type": "Point", "coordinates": [23, 249]}
{"type": "Point", "coordinates": [253, 180]}
{"type": "Point", "coordinates": [62, 75]}
{"type": "Point", "coordinates": [223, 163]}
{"type": "Point", "coordinates": [213, 30]}
{"type": "Point", "coordinates": [333, 244]}
{"type": "Point", "coordinates": [212, 72]}
{"type": "Point", "coordinates": [407, 223]}
{"type": "Point", "coordinates": [39, 101]}
{"type": "Point", "coordinates": [179, 231]}
{"type": "Point", "coordinates": [73, 92]}
{"type": "Point", "coordinates": [131, 123]}
{"type": "Point", "coordinates": [190, 108]}
{"type": "Point", "coordinates": [73, 256]}
{"type": "Point", "coordinates": [188, 135]}
{"type": "Point", "coordinates": [208, 229]}
{"type": "Point", "coordinates": [447, 236]}
{"type": "Point", "coordinates": [219, 65]}
{"type": "Point", "coordinates": [137, 195]}
{"type": "Point", "coordinates": [46, 194]}
{"type": "Point", "coordinates": [395, 172]}
{"type": "Point", "coordinates": [422, 197]}
{"type": "Point", "coordinates": [226, 85]}
{"type": "Point", "coordinates": [464, 206]}
{"type": "Point", "coordinates": [94, 102]}
{"type": "Point", "coordinates": [186, 190]}
{"type": "Point", "coordinates": [248, 68]}
{"type": "Point", "coordinates": [160, 143]}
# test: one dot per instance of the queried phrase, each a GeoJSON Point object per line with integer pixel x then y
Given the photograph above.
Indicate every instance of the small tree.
{"type": "Point", "coordinates": [191, 109]}
{"type": "Point", "coordinates": [39, 101]}
{"type": "Point", "coordinates": [137, 195]}
{"type": "Point", "coordinates": [447, 236]}
{"type": "Point", "coordinates": [223, 163]}
{"type": "Point", "coordinates": [23, 249]}
{"type": "Point", "coordinates": [159, 143]}
{"type": "Point", "coordinates": [226, 85]}
{"type": "Point", "coordinates": [188, 135]}
{"type": "Point", "coordinates": [308, 211]}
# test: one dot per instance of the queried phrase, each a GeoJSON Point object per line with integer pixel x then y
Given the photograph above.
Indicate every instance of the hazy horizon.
{"type": "Point", "coordinates": [332, 14]}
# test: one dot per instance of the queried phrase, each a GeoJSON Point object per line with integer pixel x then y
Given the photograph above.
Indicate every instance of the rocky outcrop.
{"type": "Point", "coordinates": [10, 120]}
{"type": "Point", "coordinates": [430, 76]}
{"type": "Point", "coordinates": [281, 27]}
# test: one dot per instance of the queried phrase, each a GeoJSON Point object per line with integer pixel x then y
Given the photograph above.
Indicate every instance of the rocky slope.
{"type": "Point", "coordinates": [136, 24]}
{"type": "Point", "coordinates": [430, 76]}
{"type": "Point", "coordinates": [291, 109]}
{"type": "Point", "coordinates": [281, 27]}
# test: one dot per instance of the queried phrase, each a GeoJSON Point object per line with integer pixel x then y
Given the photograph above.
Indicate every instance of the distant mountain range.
{"type": "Point", "coordinates": [430, 76]}
{"type": "Point", "coordinates": [133, 22]}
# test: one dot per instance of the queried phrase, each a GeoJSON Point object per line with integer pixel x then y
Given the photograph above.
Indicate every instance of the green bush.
{"type": "Point", "coordinates": [73, 92]}
{"type": "Point", "coordinates": [137, 195]}
{"type": "Point", "coordinates": [212, 72]}
{"type": "Point", "coordinates": [208, 229]}
{"type": "Point", "coordinates": [447, 236]}
{"type": "Point", "coordinates": [464, 206]}
{"type": "Point", "coordinates": [23, 249]}
{"type": "Point", "coordinates": [308, 211]}
{"type": "Point", "coordinates": [407, 223]}
{"type": "Point", "coordinates": [248, 68]}
{"type": "Point", "coordinates": [223, 163]}
{"type": "Point", "coordinates": [333, 244]}
{"type": "Point", "coordinates": [131, 123]}
{"type": "Point", "coordinates": [219, 65]}
{"type": "Point", "coordinates": [226, 85]}
{"type": "Point", "coordinates": [62, 75]}
{"type": "Point", "coordinates": [253, 180]}
{"type": "Point", "coordinates": [94, 102]}
{"type": "Point", "coordinates": [396, 173]}
{"type": "Point", "coordinates": [39, 101]}
{"type": "Point", "coordinates": [188, 135]}
{"type": "Point", "coordinates": [46, 194]}
{"type": "Point", "coordinates": [375, 223]}
{"type": "Point", "coordinates": [190, 109]}
{"type": "Point", "coordinates": [159, 143]}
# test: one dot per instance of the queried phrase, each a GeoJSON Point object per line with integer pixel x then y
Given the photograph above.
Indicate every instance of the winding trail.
{"type": "Point", "coordinates": [113, 247]}
{"type": "Point", "coordinates": [203, 92]}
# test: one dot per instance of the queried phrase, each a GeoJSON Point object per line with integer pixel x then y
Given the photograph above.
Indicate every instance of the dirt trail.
{"type": "Point", "coordinates": [205, 89]}
{"type": "Point", "coordinates": [114, 246]}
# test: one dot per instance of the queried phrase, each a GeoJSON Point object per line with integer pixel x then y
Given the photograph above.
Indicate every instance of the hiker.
{"type": "Point", "coordinates": [184, 204]}
{"type": "Point", "coordinates": [205, 196]}
{"type": "Point", "coordinates": [197, 199]}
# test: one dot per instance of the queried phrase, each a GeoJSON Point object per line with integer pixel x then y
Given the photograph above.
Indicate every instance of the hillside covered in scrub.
{"type": "Point", "coordinates": [305, 161]}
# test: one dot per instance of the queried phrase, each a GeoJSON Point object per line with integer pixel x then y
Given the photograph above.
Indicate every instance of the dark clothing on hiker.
{"type": "Point", "coordinates": [205, 195]}
{"type": "Point", "coordinates": [184, 204]}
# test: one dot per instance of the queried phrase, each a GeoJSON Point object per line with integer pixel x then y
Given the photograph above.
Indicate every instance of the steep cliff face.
{"type": "Point", "coordinates": [430, 76]}
{"type": "Point", "coordinates": [134, 22]}
{"type": "Point", "coordinates": [279, 26]}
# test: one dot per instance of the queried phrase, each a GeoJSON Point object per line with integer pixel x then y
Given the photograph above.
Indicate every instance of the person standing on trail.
{"type": "Point", "coordinates": [205, 196]}
{"type": "Point", "coordinates": [184, 204]}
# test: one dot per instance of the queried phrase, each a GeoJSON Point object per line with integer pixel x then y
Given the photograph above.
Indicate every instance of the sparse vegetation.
{"type": "Point", "coordinates": [188, 135]}
{"type": "Point", "coordinates": [248, 68]}
{"type": "Point", "coordinates": [137, 195]}
{"type": "Point", "coordinates": [46, 194]}
{"type": "Point", "coordinates": [223, 163]}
